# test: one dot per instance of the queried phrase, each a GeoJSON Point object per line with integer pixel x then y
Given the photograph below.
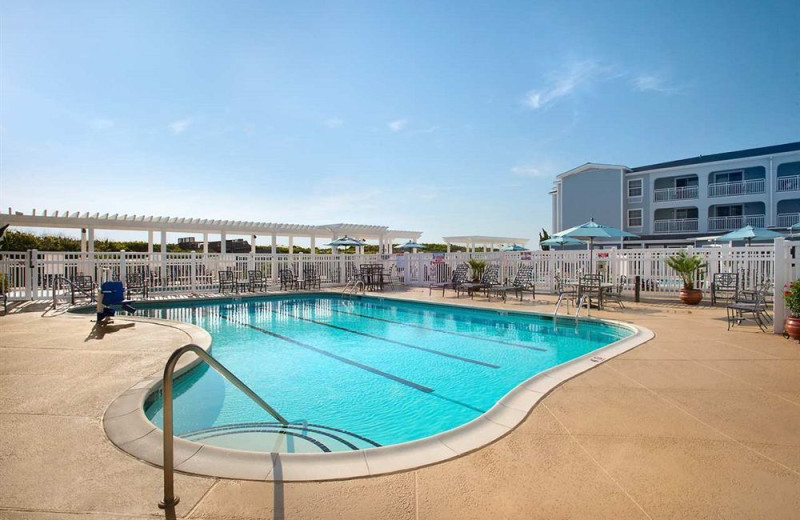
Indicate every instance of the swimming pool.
{"type": "Point", "coordinates": [351, 374]}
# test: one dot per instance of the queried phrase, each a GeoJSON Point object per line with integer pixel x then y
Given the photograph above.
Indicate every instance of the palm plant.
{"type": "Point", "coordinates": [687, 266]}
{"type": "Point", "coordinates": [477, 266]}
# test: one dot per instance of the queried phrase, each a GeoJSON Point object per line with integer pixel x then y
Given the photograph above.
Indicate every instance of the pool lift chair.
{"type": "Point", "coordinates": [110, 298]}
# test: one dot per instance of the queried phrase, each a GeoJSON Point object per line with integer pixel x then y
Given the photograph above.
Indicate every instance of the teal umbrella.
{"type": "Point", "coordinates": [561, 242]}
{"type": "Point", "coordinates": [750, 233]}
{"type": "Point", "coordinates": [346, 241]}
{"type": "Point", "coordinates": [515, 247]}
{"type": "Point", "coordinates": [411, 245]}
{"type": "Point", "coordinates": [592, 230]}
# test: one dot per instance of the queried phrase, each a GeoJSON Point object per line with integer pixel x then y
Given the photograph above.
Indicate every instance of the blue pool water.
{"type": "Point", "coordinates": [357, 373]}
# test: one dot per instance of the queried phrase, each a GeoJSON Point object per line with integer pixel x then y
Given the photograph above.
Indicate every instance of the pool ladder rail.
{"type": "Point", "coordinates": [170, 499]}
{"type": "Point", "coordinates": [353, 286]}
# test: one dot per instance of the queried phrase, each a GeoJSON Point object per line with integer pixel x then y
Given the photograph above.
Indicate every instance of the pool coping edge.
{"type": "Point", "coordinates": [128, 428]}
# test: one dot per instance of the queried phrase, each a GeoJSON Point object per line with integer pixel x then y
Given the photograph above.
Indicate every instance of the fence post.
{"type": "Point", "coordinates": [193, 271]}
{"type": "Point", "coordinates": [123, 275]}
{"type": "Point", "coordinates": [783, 275]}
{"type": "Point", "coordinates": [31, 290]}
{"type": "Point", "coordinates": [636, 288]}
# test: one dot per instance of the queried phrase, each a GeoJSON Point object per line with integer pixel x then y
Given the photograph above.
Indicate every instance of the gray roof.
{"type": "Point", "coordinates": [725, 156]}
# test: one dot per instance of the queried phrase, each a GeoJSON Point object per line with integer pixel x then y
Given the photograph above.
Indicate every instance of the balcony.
{"type": "Point", "coordinates": [730, 189]}
{"type": "Point", "coordinates": [787, 219]}
{"type": "Point", "coordinates": [681, 193]}
{"type": "Point", "coordinates": [789, 183]}
{"type": "Point", "coordinates": [729, 223]}
{"type": "Point", "coordinates": [675, 225]}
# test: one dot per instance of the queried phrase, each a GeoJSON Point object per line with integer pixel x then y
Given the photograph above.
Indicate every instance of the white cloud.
{"type": "Point", "coordinates": [528, 171]}
{"type": "Point", "coordinates": [180, 126]}
{"type": "Point", "coordinates": [654, 83]}
{"type": "Point", "coordinates": [101, 124]}
{"type": "Point", "coordinates": [334, 122]}
{"type": "Point", "coordinates": [397, 125]}
{"type": "Point", "coordinates": [427, 130]}
{"type": "Point", "coordinates": [565, 82]}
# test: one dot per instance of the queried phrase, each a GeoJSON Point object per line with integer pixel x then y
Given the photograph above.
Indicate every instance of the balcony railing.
{"type": "Point", "coordinates": [728, 223]}
{"type": "Point", "coordinates": [788, 219]}
{"type": "Point", "coordinates": [681, 193]}
{"type": "Point", "coordinates": [675, 225]}
{"type": "Point", "coordinates": [730, 189]}
{"type": "Point", "coordinates": [789, 183]}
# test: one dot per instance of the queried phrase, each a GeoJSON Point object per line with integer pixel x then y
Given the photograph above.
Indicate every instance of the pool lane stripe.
{"type": "Point", "coordinates": [372, 336]}
{"type": "Point", "coordinates": [509, 343]}
{"type": "Point", "coordinates": [362, 366]}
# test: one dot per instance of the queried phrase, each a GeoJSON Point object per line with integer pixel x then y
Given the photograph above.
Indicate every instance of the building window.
{"type": "Point", "coordinates": [731, 176]}
{"type": "Point", "coordinates": [635, 218]}
{"type": "Point", "coordinates": [634, 188]}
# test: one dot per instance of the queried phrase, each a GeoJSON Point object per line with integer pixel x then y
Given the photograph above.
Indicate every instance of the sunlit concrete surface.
{"type": "Point", "coordinates": [697, 423]}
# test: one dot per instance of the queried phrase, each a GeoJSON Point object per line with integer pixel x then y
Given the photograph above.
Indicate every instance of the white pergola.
{"type": "Point", "coordinates": [88, 223]}
{"type": "Point", "coordinates": [472, 241]}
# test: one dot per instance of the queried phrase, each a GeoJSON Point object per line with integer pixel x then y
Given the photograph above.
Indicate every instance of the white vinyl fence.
{"type": "Point", "coordinates": [35, 275]}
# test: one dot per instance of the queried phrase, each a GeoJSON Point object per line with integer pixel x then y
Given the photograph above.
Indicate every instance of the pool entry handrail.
{"type": "Point", "coordinates": [170, 500]}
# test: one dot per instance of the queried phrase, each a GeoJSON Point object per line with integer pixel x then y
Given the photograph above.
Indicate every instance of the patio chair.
{"type": "Point", "coordinates": [522, 282]}
{"type": "Point", "coordinates": [589, 289]}
{"type": "Point", "coordinates": [615, 293]}
{"type": "Point", "coordinates": [490, 278]}
{"type": "Point", "coordinates": [750, 305]}
{"type": "Point", "coordinates": [227, 281]}
{"type": "Point", "coordinates": [256, 280]}
{"type": "Point", "coordinates": [391, 278]}
{"type": "Point", "coordinates": [311, 277]}
{"type": "Point", "coordinates": [567, 292]}
{"type": "Point", "coordinates": [289, 281]}
{"type": "Point", "coordinates": [459, 277]}
{"type": "Point", "coordinates": [726, 285]}
{"type": "Point", "coordinates": [136, 283]}
{"type": "Point", "coordinates": [82, 285]}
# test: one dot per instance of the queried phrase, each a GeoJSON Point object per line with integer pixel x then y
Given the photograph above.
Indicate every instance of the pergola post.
{"type": "Point", "coordinates": [274, 258]}
{"type": "Point", "coordinates": [205, 243]}
{"type": "Point", "coordinates": [448, 247]}
{"type": "Point", "coordinates": [150, 243]}
{"type": "Point", "coordinates": [313, 244]}
{"type": "Point", "coordinates": [251, 264]}
{"type": "Point", "coordinates": [291, 244]}
{"type": "Point", "coordinates": [223, 243]}
{"type": "Point", "coordinates": [163, 257]}
{"type": "Point", "coordinates": [83, 240]}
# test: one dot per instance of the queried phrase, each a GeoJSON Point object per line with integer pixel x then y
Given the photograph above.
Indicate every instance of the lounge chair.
{"type": "Point", "coordinates": [522, 282]}
{"type": "Point", "coordinates": [289, 281]}
{"type": "Point", "coordinates": [227, 281]}
{"type": "Point", "coordinates": [459, 277]}
{"type": "Point", "coordinates": [490, 278]}
{"type": "Point", "coordinates": [256, 280]}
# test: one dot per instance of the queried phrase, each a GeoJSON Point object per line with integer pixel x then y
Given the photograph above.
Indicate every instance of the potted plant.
{"type": "Point", "coordinates": [791, 295]}
{"type": "Point", "coordinates": [477, 266]}
{"type": "Point", "coordinates": [688, 267]}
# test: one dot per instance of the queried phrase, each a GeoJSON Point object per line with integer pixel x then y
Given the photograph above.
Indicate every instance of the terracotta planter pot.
{"type": "Point", "coordinates": [792, 327]}
{"type": "Point", "coordinates": [691, 296]}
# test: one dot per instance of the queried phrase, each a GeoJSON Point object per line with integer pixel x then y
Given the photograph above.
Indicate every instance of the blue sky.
{"type": "Point", "coordinates": [451, 118]}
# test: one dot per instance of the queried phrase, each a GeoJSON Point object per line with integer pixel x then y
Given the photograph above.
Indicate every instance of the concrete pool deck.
{"type": "Point", "coordinates": [696, 423]}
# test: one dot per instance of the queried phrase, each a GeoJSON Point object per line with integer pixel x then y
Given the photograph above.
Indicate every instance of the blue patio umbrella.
{"type": "Point", "coordinates": [346, 241]}
{"type": "Point", "coordinates": [592, 230]}
{"type": "Point", "coordinates": [750, 233]}
{"type": "Point", "coordinates": [515, 247]}
{"type": "Point", "coordinates": [411, 245]}
{"type": "Point", "coordinates": [561, 242]}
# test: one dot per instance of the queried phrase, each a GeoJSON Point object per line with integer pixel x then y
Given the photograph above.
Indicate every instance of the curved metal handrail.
{"type": "Point", "coordinates": [170, 500]}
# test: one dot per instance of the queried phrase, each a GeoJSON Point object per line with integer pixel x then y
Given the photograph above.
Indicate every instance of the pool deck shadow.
{"type": "Point", "coordinates": [697, 423]}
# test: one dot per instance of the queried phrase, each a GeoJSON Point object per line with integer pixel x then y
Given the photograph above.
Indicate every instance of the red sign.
{"type": "Point", "coordinates": [601, 254]}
